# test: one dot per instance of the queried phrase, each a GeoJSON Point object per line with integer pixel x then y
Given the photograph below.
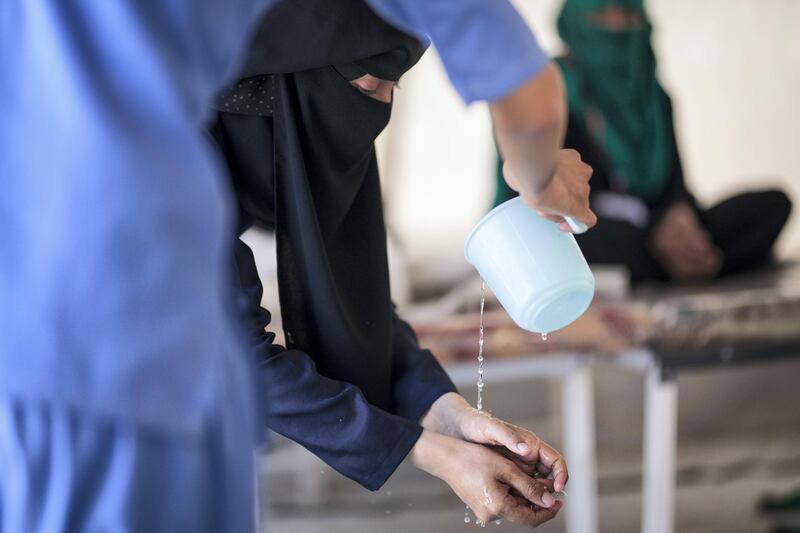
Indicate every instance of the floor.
{"type": "Point", "coordinates": [739, 437]}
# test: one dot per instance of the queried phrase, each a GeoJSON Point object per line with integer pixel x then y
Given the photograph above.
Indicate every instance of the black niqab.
{"type": "Point", "coordinates": [323, 195]}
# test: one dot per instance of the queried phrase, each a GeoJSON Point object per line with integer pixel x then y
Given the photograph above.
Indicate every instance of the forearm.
{"type": "Point", "coordinates": [332, 419]}
{"type": "Point", "coordinates": [529, 127]}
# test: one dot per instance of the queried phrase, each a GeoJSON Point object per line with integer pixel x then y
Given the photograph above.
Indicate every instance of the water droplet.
{"type": "Point", "coordinates": [498, 522]}
{"type": "Point", "coordinates": [544, 337]}
{"type": "Point", "coordinates": [467, 520]}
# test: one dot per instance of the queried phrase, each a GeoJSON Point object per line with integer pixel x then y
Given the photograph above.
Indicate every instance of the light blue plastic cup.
{"type": "Point", "coordinates": [537, 271]}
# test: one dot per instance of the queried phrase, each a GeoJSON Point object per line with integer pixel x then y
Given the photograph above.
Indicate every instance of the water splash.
{"type": "Point", "coordinates": [544, 337]}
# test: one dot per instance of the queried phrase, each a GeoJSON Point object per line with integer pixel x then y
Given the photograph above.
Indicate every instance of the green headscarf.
{"type": "Point", "coordinates": [613, 73]}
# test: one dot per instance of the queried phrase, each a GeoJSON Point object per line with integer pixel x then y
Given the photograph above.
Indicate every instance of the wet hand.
{"type": "Point", "coordinates": [452, 415]}
{"type": "Point", "coordinates": [566, 194]}
{"type": "Point", "coordinates": [490, 484]}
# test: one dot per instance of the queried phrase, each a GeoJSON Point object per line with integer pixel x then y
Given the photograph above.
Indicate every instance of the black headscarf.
{"type": "Point", "coordinates": [323, 196]}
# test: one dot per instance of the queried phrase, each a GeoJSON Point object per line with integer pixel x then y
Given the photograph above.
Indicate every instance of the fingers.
{"type": "Point", "coordinates": [529, 447]}
{"type": "Point", "coordinates": [563, 225]}
{"type": "Point", "coordinates": [570, 154]}
{"type": "Point", "coordinates": [555, 464]}
{"type": "Point", "coordinates": [534, 490]}
{"type": "Point", "coordinates": [506, 503]}
{"type": "Point", "coordinates": [589, 218]}
{"type": "Point", "coordinates": [573, 156]}
{"type": "Point", "coordinates": [531, 468]}
{"type": "Point", "coordinates": [496, 488]}
{"type": "Point", "coordinates": [521, 442]}
{"type": "Point", "coordinates": [551, 217]}
{"type": "Point", "coordinates": [552, 472]}
{"type": "Point", "coordinates": [520, 511]}
{"type": "Point", "coordinates": [551, 463]}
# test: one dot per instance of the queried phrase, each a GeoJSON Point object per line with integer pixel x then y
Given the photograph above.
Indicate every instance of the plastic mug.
{"type": "Point", "coordinates": [537, 271]}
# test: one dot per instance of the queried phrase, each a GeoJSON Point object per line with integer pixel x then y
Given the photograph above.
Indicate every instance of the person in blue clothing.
{"type": "Point", "coordinates": [127, 395]}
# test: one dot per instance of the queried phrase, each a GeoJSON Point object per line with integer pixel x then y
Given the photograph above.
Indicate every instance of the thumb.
{"type": "Point", "coordinates": [506, 435]}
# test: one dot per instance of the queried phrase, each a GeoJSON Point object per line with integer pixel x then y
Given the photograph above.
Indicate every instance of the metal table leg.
{"type": "Point", "coordinates": [660, 443]}
{"type": "Point", "coordinates": [579, 448]}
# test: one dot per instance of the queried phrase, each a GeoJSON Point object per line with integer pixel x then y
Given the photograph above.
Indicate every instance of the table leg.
{"type": "Point", "coordinates": [579, 447]}
{"type": "Point", "coordinates": [660, 443]}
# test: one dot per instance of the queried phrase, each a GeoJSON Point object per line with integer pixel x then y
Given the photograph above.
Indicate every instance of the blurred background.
{"type": "Point", "coordinates": [730, 67]}
{"type": "Point", "coordinates": [732, 70]}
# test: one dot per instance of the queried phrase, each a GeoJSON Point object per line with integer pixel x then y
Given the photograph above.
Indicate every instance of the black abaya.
{"type": "Point", "coordinates": [352, 383]}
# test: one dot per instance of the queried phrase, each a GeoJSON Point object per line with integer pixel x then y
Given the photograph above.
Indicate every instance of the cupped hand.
{"type": "Point", "coordinates": [452, 415]}
{"type": "Point", "coordinates": [490, 484]}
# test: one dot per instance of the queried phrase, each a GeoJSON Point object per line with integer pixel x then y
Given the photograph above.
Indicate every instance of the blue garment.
{"type": "Point", "coordinates": [126, 396]}
{"type": "Point", "coordinates": [65, 470]}
{"type": "Point", "coordinates": [114, 214]}
{"type": "Point", "coordinates": [486, 47]}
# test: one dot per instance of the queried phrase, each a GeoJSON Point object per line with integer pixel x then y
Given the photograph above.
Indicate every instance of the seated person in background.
{"type": "Point", "coordinates": [620, 120]}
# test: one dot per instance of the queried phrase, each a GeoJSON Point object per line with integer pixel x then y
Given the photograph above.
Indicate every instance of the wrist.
{"type": "Point", "coordinates": [446, 415]}
{"type": "Point", "coordinates": [430, 454]}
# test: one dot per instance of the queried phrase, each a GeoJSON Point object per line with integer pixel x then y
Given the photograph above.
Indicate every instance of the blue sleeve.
{"type": "Point", "coordinates": [487, 48]}
{"type": "Point", "coordinates": [330, 418]}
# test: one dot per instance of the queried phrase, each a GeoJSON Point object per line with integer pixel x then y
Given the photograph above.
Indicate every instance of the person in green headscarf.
{"type": "Point", "coordinates": [620, 120]}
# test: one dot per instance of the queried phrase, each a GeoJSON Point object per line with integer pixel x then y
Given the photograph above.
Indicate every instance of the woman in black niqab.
{"type": "Point", "coordinates": [298, 138]}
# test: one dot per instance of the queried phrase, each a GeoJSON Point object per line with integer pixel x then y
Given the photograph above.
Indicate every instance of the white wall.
{"type": "Point", "coordinates": [731, 66]}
